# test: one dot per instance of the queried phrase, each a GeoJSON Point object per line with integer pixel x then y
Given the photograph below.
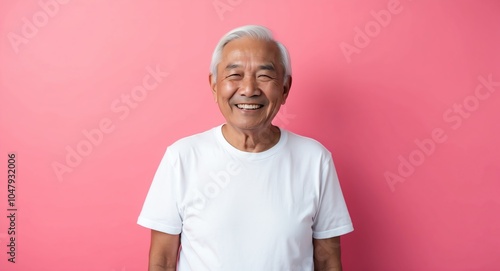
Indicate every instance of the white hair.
{"type": "Point", "coordinates": [252, 31]}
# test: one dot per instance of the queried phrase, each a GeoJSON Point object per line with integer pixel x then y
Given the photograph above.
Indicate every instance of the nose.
{"type": "Point", "coordinates": [249, 87]}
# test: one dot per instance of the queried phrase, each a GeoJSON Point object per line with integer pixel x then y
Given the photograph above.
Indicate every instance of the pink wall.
{"type": "Point", "coordinates": [408, 105]}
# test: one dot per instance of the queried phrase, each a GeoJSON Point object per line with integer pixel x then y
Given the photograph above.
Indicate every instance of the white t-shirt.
{"type": "Point", "coordinates": [242, 211]}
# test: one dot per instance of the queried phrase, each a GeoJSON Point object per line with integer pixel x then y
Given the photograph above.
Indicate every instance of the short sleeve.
{"type": "Point", "coordinates": [332, 217]}
{"type": "Point", "coordinates": [160, 211]}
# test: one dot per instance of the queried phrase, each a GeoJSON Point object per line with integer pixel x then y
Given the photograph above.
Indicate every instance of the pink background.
{"type": "Point", "coordinates": [366, 88]}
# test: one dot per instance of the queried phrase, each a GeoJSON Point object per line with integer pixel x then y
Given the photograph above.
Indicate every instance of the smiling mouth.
{"type": "Point", "coordinates": [249, 106]}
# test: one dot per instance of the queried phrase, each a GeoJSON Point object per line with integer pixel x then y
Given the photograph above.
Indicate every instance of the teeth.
{"type": "Point", "coordinates": [249, 106]}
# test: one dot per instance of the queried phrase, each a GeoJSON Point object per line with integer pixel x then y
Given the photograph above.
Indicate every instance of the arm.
{"type": "Point", "coordinates": [163, 251]}
{"type": "Point", "coordinates": [327, 254]}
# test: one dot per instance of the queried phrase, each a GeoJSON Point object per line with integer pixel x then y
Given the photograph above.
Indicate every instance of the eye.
{"type": "Point", "coordinates": [233, 75]}
{"type": "Point", "coordinates": [265, 76]}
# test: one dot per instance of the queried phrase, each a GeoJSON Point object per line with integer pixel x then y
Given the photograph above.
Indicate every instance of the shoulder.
{"type": "Point", "coordinates": [195, 141]}
{"type": "Point", "coordinates": [306, 145]}
{"type": "Point", "coordinates": [301, 141]}
{"type": "Point", "coordinates": [195, 144]}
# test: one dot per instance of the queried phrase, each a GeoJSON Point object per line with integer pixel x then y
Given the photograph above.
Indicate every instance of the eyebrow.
{"type": "Point", "coordinates": [267, 67]}
{"type": "Point", "coordinates": [231, 66]}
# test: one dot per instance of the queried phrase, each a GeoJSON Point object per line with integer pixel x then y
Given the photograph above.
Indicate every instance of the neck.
{"type": "Point", "coordinates": [251, 140]}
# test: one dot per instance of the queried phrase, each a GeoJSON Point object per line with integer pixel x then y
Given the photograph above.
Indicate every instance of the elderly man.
{"type": "Point", "coordinates": [246, 195]}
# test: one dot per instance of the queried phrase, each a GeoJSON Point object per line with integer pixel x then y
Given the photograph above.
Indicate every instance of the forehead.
{"type": "Point", "coordinates": [250, 50]}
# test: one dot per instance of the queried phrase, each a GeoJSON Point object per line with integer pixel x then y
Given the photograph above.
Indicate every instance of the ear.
{"type": "Point", "coordinates": [213, 86]}
{"type": "Point", "coordinates": [286, 89]}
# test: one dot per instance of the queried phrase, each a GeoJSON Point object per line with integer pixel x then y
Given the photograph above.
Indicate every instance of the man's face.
{"type": "Point", "coordinates": [249, 88]}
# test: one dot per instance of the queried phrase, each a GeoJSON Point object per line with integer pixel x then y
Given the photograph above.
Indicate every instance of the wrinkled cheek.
{"type": "Point", "coordinates": [274, 110]}
{"type": "Point", "coordinates": [225, 109]}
